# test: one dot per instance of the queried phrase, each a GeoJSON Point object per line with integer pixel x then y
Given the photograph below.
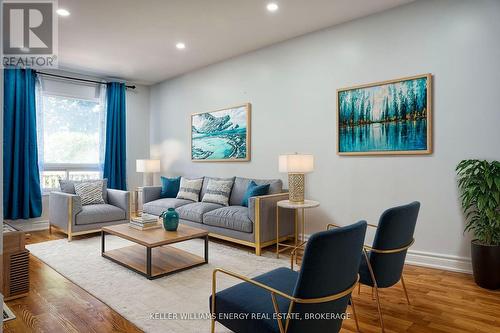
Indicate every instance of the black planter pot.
{"type": "Point", "coordinates": [486, 265]}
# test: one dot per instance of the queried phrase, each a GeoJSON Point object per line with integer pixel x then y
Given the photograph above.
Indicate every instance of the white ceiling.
{"type": "Point", "coordinates": [135, 39]}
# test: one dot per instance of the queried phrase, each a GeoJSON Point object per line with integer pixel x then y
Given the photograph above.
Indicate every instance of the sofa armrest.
{"type": "Point", "coordinates": [59, 205]}
{"type": "Point", "coordinates": [120, 199]}
{"type": "Point", "coordinates": [262, 211]}
{"type": "Point", "coordinates": [150, 193]}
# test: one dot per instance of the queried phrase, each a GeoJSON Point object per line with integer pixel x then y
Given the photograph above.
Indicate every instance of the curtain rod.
{"type": "Point", "coordinates": [76, 79]}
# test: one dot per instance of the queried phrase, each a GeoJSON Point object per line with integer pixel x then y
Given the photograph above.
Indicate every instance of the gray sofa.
{"type": "Point", "coordinates": [67, 214]}
{"type": "Point", "coordinates": [253, 226]}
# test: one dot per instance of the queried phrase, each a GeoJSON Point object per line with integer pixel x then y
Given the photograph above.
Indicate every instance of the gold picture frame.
{"type": "Point", "coordinates": [380, 122]}
{"type": "Point", "coordinates": [229, 142]}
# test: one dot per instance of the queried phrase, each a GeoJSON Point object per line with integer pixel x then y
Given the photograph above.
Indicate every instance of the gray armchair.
{"type": "Point", "coordinates": [67, 214]}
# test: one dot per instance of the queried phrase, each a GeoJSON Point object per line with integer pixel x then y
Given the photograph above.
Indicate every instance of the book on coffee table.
{"type": "Point", "coordinates": [144, 218]}
{"type": "Point", "coordinates": [144, 227]}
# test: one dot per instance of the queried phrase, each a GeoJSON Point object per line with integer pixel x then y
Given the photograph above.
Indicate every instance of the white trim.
{"type": "Point", "coordinates": [440, 261]}
{"type": "Point", "coordinates": [436, 260]}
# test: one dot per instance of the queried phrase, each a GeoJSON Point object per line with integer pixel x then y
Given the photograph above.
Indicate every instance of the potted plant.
{"type": "Point", "coordinates": [479, 184]}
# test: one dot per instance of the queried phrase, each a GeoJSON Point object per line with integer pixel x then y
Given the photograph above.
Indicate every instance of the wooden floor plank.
{"type": "Point", "coordinates": [441, 301]}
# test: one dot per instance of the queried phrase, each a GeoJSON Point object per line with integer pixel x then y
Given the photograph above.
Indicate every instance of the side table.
{"type": "Point", "coordinates": [298, 207]}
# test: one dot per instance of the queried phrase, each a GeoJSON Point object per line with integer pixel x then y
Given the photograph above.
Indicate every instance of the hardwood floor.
{"type": "Point", "coordinates": [441, 301]}
{"type": "Point", "coordinates": [55, 304]}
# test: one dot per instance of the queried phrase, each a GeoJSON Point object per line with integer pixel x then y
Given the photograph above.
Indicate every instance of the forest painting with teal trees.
{"type": "Point", "coordinates": [389, 117]}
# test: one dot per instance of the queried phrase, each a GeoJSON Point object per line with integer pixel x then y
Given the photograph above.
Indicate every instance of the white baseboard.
{"type": "Point", "coordinates": [440, 261]}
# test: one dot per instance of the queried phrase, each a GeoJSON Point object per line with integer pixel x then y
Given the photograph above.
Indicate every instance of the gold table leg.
{"type": "Point", "coordinates": [296, 227]}
{"type": "Point", "coordinates": [296, 233]}
{"type": "Point", "coordinates": [277, 232]}
{"type": "Point", "coordinates": [303, 225]}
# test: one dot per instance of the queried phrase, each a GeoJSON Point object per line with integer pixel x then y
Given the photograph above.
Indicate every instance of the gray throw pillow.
{"type": "Point", "coordinates": [190, 189]}
{"type": "Point", "coordinates": [218, 192]}
{"type": "Point", "coordinates": [68, 186]}
{"type": "Point", "coordinates": [90, 193]}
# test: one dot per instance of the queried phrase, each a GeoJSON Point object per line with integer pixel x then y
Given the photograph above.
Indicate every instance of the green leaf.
{"type": "Point", "coordinates": [489, 180]}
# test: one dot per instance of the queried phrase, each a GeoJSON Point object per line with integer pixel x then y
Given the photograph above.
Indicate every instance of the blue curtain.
{"type": "Point", "coordinates": [114, 156]}
{"type": "Point", "coordinates": [22, 197]}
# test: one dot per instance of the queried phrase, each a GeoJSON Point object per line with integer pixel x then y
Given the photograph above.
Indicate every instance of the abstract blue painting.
{"type": "Point", "coordinates": [391, 117]}
{"type": "Point", "coordinates": [222, 135]}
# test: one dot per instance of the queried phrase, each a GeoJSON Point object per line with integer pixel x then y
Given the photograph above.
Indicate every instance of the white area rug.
{"type": "Point", "coordinates": [135, 297]}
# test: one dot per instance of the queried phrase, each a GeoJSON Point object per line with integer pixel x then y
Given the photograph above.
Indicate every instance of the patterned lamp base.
{"type": "Point", "coordinates": [296, 187]}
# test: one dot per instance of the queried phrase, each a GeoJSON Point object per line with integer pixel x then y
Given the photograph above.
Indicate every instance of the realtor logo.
{"type": "Point", "coordinates": [29, 32]}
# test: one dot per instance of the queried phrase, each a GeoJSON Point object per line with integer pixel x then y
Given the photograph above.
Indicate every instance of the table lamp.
{"type": "Point", "coordinates": [148, 168]}
{"type": "Point", "coordinates": [296, 165]}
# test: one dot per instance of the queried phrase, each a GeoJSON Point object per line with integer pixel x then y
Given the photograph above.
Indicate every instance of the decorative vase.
{"type": "Point", "coordinates": [170, 219]}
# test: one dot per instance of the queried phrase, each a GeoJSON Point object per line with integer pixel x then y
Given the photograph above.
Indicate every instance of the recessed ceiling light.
{"type": "Point", "coordinates": [180, 46]}
{"type": "Point", "coordinates": [62, 12]}
{"type": "Point", "coordinates": [272, 6]}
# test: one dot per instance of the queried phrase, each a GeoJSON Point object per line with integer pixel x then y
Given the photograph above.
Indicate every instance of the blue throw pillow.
{"type": "Point", "coordinates": [254, 190]}
{"type": "Point", "coordinates": [170, 187]}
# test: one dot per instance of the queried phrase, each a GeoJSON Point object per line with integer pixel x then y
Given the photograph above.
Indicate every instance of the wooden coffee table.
{"type": "Point", "coordinates": [151, 256]}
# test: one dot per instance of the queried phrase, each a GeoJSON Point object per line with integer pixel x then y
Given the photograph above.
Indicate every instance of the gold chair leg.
{"type": "Point", "coordinates": [376, 290]}
{"type": "Point", "coordinates": [359, 288]}
{"type": "Point", "coordinates": [404, 288]}
{"type": "Point", "coordinates": [373, 294]}
{"type": "Point", "coordinates": [379, 309]}
{"type": "Point", "coordinates": [277, 312]}
{"type": "Point", "coordinates": [355, 315]}
{"type": "Point", "coordinates": [70, 237]}
{"type": "Point", "coordinates": [214, 287]}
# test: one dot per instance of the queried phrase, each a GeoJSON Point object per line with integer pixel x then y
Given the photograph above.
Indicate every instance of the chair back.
{"type": "Point", "coordinates": [395, 230]}
{"type": "Point", "coordinates": [330, 266]}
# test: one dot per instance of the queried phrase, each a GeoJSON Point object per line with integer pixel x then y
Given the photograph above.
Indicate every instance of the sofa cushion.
{"type": "Point", "coordinates": [99, 213]}
{"type": "Point", "coordinates": [218, 192]}
{"type": "Point", "coordinates": [254, 190]}
{"type": "Point", "coordinates": [170, 187]}
{"type": "Point", "coordinates": [231, 217]}
{"type": "Point", "coordinates": [206, 180]}
{"type": "Point", "coordinates": [90, 193]}
{"type": "Point", "coordinates": [241, 184]}
{"type": "Point", "coordinates": [190, 189]}
{"type": "Point", "coordinates": [68, 186]}
{"type": "Point", "coordinates": [194, 211]}
{"type": "Point", "coordinates": [156, 207]}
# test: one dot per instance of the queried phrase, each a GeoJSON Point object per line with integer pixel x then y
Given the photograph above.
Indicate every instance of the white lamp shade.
{"type": "Point", "coordinates": [296, 163]}
{"type": "Point", "coordinates": [147, 165]}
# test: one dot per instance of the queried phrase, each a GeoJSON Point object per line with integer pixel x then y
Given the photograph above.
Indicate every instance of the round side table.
{"type": "Point", "coordinates": [297, 207]}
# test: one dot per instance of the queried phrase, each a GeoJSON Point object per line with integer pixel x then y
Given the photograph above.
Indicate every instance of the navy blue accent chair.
{"type": "Point", "coordinates": [329, 270]}
{"type": "Point", "coordinates": [382, 263]}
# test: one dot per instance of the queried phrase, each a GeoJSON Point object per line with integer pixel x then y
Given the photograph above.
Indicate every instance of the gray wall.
{"type": "Point", "coordinates": [292, 87]}
{"type": "Point", "coordinates": [137, 132]}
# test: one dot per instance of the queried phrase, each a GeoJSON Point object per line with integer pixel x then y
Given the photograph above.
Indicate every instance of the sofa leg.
{"type": "Point", "coordinates": [257, 250]}
{"type": "Point", "coordinates": [50, 229]}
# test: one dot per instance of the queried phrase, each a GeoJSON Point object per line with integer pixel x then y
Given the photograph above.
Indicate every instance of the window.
{"type": "Point", "coordinates": [71, 132]}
